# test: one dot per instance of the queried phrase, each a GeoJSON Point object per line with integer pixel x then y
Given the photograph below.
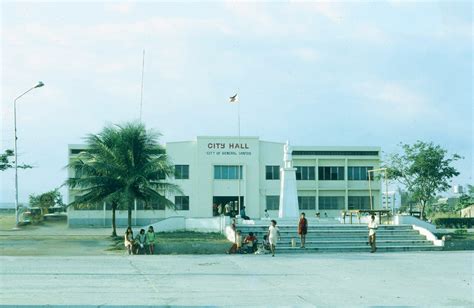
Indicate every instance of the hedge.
{"type": "Point", "coordinates": [454, 222]}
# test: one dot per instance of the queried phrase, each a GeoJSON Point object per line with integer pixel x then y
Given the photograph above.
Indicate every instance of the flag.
{"type": "Point", "coordinates": [234, 99]}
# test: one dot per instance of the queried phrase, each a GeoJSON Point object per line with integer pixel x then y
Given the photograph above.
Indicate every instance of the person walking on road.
{"type": "Point", "coordinates": [303, 229]}
{"type": "Point", "coordinates": [372, 229]}
{"type": "Point", "coordinates": [273, 236]}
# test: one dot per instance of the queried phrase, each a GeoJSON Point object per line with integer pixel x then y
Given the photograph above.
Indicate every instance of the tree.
{"type": "Point", "coordinates": [5, 162]}
{"type": "Point", "coordinates": [424, 169]}
{"type": "Point", "coordinates": [47, 200]}
{"type": "Point", "coordinates": [122, 164]}
{"type": "Point", "coordinates": [466, 199]}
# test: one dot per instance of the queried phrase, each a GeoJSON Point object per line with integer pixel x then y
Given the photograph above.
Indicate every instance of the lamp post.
{"type": "Point", "coordinates": [38, 85]}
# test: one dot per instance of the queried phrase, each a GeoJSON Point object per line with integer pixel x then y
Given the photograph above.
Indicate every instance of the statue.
{"type": "Point", "coordinates": [287, 157]}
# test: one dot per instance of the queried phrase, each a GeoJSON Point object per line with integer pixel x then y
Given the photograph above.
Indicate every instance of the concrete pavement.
{"type": "Point", "coordinates": [332, 279]}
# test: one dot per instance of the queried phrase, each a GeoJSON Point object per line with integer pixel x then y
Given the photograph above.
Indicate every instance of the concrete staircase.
{"type": "Point", "coordinates": [345, 238]}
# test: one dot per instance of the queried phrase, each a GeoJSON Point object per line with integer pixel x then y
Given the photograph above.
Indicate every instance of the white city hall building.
{"type": "Point", "coordinates": [329, 180]}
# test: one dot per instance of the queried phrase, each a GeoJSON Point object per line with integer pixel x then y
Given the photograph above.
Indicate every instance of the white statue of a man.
{"type": "Point", "coordinates": [287, 158]}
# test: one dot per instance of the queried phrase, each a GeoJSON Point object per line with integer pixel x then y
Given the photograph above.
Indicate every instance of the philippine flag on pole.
{"type": "Point", "coordinates": [234, 99]}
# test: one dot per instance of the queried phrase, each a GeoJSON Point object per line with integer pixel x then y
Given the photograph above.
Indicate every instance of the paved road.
{"type": "Point", "coordinates": [363, 279]}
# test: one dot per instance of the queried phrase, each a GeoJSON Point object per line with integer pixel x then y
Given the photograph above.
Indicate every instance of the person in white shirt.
{"type": "Point", "coordinates": [372, 228]}
{"type": "Point", "coordinates": [273, 236]}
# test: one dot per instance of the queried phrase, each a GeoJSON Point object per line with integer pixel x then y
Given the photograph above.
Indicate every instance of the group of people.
{"type": "Point", "coordinates": [250, 243]}
{"type": "Point", "coordinates": [229, 209]}
{"type": "Point", "coordinates": [143, 243]}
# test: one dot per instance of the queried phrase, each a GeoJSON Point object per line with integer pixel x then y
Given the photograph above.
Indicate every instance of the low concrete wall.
{"type": "Point", "coordinates": [410, 220]}
{"type": "Point", "coordinates": [181, 223]}
{"type": "Point", "coordinates": [429, 236]}
{"type": "Point", "coordinates": [212, 224]}
{"type": "Point", "coordinates": [169, 224]}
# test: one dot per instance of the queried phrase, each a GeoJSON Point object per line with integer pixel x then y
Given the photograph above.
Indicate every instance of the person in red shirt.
{"type": "Point", "coordinates": [251, 242]}
{"type": "Point", "coordinates": [303, 229]}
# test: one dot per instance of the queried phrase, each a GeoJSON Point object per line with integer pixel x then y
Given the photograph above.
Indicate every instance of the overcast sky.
{"type": "Point", "coordinates": [312, 73]}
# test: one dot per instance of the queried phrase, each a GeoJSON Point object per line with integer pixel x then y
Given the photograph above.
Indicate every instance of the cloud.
{"type": "Point", "coordinates": [306, 54]}
{"type": "Point", "coordinates": [330, 10]}
{"type": "Point", "coordinates": [388, 98]}
{"type": "Point", "coordinates": [121, 7]}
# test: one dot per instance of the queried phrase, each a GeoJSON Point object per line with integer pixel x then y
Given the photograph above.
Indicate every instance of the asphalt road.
{"type": "Point", "coordinates": [349, 279]}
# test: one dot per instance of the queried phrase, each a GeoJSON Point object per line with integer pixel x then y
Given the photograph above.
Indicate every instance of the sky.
{"type": "Point", "coordinates": [313, 73]}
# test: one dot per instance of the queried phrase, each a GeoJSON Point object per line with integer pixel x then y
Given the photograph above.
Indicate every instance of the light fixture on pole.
{"type": "Point", "coordinates": [38, 85]}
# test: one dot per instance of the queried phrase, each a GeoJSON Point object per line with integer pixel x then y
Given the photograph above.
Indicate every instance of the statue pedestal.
{"type": "Point", "coordinates": [288, 194]}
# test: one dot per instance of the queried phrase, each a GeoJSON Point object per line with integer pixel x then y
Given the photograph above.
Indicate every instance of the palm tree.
{"type": "Point", "coordinates": [122, 164]}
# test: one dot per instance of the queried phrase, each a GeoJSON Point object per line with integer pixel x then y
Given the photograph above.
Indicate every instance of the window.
{"type": "Point", "coordinates": [227, 172]}
{"type": "Point", "coordinates": [359, 173]}
{"type": "Point", "coordinates": [305, 173]}
{"type": "Point", "coordinates": [272, 172]}
{"type": "Point", "coordinates": [331, 203]}
{"type": "Point", "coordinates": [331, 173]}
{"type": "Point", "coordinates": [307, 203]}
{"type": "Point", "coordinates": [273, 203]}
{"type": "Point", "coordinates": [336, 153]}
{"type": "Point", "coordinates": [154, 205]}
{"type": "Point", "coordinates": [181, 172]}
{"type": "Point", "coordinates": [359, 202]}
{"type": "Point", "coordinates": [181, 203]}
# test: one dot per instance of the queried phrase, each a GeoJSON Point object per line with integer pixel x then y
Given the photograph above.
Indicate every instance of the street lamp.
{"type": "Point", "coordinates": [38, 85]}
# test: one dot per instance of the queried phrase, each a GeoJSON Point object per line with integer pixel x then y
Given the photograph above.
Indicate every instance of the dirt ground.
{"type": "Point", "coordinates": [55, 238]}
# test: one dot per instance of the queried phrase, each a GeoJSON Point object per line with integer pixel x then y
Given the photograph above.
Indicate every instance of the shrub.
{"type": "Point", "coordinates": [454, 222]}
{"type": "Point", "coordinates": [460, 231]}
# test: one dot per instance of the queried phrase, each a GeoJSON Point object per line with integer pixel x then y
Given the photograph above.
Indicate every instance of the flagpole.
{"type": "Point", "coordinates": [238, 157]}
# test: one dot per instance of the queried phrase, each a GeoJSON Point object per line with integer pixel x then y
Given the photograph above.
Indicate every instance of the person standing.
{"type": "Point", "coordinates": [273, 236]}
{"type": "Point", "coordinates": [372, 229]}
{"type": "Point", "coordinates": [150, 240]}
{"type": "Point", "coordinates": [303, 229]}
{"type": "Point", "coordinates": [128, 240]}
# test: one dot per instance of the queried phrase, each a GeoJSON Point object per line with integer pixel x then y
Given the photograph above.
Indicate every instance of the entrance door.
{"type": "Point", "coordinates": [226, 205]}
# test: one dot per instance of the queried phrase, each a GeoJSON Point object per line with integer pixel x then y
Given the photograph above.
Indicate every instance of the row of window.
{"type": "Point", "coordinates": [303, 173]}
{"type": "Point", "coordinates": [272, 203]}
{"type": "Point", "coordinates": [181, 204]}
{"type": "Point", "coordinates": [308, 173]}
{"type": "Point", "coordinates": [325, 203]}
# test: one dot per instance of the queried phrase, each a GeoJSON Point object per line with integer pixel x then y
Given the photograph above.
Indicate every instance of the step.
{"type": "Point", "coordinates": [357, 249]}
{"type": "Point", "coordinates": [346, 242]}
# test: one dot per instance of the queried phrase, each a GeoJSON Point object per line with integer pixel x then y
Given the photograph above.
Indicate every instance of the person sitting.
{"type": "Point", "coordinates": [128, 240]}
{"type": "Point", "coordinates": [251, 243]}
{"type": "Point", "coordinates": [242, 213]}
{"type": "Point", "coordinates": [237, 245]}
{"type": "Point", "coordinates": [140, 241]}
{"type": "Point", "coordinates": [264, 248]}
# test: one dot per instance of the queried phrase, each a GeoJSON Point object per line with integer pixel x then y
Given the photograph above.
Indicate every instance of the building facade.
{"type": "Point", "coordinates": [213, 171]}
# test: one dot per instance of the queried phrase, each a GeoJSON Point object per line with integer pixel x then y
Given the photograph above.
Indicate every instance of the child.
{"type": "Point", "coordinates": [150, 240]}
{"type": "Point", "coordinates": [273, 236]}
{"type": "Point", "coordinates": [251, 242]}
{"type": "Point", "coordinates": [128, 240]}
{"type": "Point", "coordinates": [140, 242]}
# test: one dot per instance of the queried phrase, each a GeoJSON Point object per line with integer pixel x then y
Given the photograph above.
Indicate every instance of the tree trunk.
{"type": "Point", "coordinates": [129, 215]}
{"type": "Point", "coordinates": [422, 214]}
{"type": "Point", "coordinates": [114, 227]}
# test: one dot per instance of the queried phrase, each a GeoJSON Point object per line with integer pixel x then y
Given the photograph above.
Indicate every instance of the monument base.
{"type": "Point", "coordinates": [288, 194]}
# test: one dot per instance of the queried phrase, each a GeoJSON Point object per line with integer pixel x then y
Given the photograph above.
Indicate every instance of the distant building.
{"type": "Point", "coordinates": [468, 211]}
{"type": "Point", "coordinates": [329, 179]}
{"type": "Point", "coordinates": [391, 199]}
{"type": "Point", "coordinates": [458, 189]}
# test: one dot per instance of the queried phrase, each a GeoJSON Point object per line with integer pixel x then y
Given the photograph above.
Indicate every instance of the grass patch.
{"type": "Point", "coordinates": [183, 242]}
